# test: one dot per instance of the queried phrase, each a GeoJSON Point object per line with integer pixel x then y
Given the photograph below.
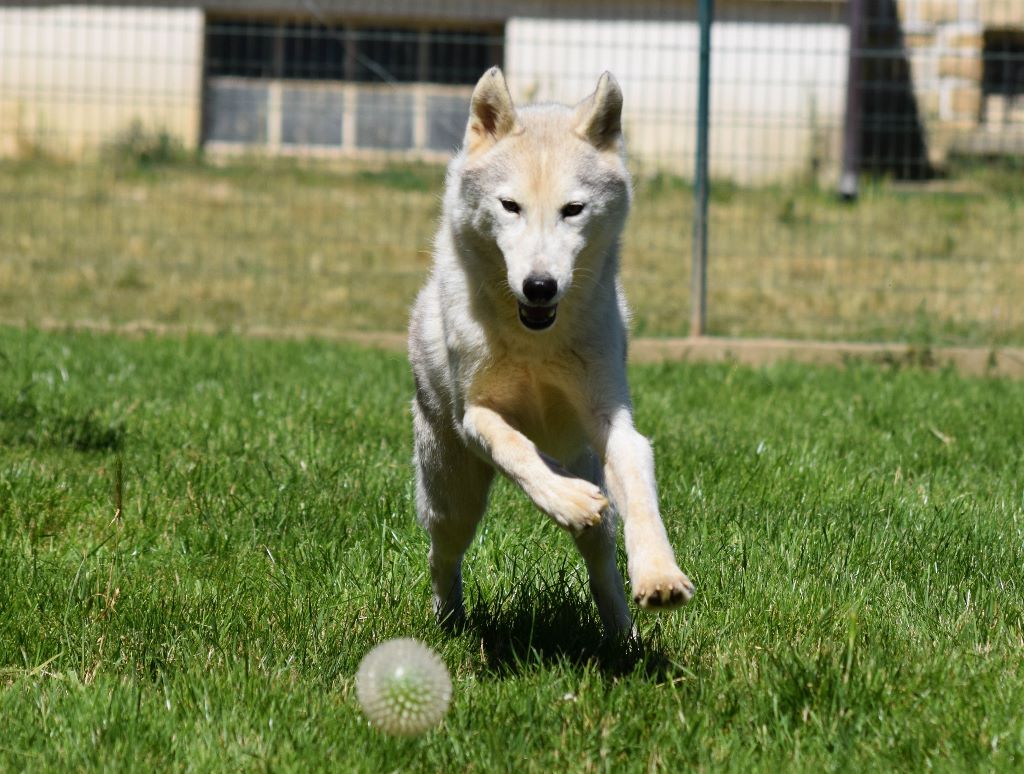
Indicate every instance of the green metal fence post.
{"type": "Point", "coordinates": [698, 281]}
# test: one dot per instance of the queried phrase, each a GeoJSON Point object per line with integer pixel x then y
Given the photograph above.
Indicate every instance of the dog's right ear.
{"type": "Point", "coordinates": [491, 113]}
{"type": "Point", "coordinates": [599, 116]}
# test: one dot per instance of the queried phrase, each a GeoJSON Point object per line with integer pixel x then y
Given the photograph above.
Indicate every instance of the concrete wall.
{"type": "Point", "coordinates": [72, 77]}
{"type": "Point", "coordinates": [777, 86]}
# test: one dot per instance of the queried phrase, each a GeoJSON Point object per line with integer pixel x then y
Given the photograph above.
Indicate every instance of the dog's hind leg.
{"type": "Point", "coordinates": [597, 546]}
{"type": "Point", "coordinates": [451, 495]}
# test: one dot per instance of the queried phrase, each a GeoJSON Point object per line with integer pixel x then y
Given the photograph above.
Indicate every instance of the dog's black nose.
{"type": "Point", "coordinates": [539, 288]}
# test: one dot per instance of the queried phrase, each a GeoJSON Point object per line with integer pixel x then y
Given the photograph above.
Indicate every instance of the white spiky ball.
{"type": "Point", "coordinates": [404, 687]}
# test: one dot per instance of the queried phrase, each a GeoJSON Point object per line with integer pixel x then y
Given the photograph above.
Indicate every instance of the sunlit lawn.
{"type": "Point", "coordinates": [278, 245]}
{"type": "Point", "coordinates": [856, 536]}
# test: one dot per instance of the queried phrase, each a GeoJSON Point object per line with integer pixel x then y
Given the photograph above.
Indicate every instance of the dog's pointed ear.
{"type": "Point", "coordinates": [599, 116]}
{"type": "Point", "coordinates": [491, 112]}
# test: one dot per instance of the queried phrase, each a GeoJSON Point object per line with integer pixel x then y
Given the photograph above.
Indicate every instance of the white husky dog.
{"type": "Point", "coordinates": [518, 347]}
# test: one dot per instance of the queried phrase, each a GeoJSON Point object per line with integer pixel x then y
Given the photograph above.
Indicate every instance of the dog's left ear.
{"type": "Point", "coordinates": [599, 116]}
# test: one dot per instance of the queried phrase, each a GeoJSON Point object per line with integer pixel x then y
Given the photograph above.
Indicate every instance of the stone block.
{"type": "Point", "coordinates": [905, 10]}
{"type": "Point", "coordinates": [968, 67]}
{"type": "Point", "coordinates": [966, 101]}
{"type": "Point", "coordinates": [924, 72]}
{"type": "Point", "coordinates": [970, 10]}
{"type": "Point", "coordinates": [972, 41]}
{"type": "Point", "coordinates": [1007, 14]}
{"type": "Point", "coordinates": [919, 40]}
{"type": "Point", "coordinates": [938, 11]}
{"type": "Point", "coordinates": [961, 125]}
{"type": "Point", "coordinates": [929, 105]}
{"type": "Point", "coordinates": [995, 109]}
{"type": "Point", "coordinates": [938, 144]}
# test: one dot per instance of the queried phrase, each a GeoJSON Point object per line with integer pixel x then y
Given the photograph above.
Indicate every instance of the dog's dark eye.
{"type": "Point", "coordinates": [510, 206]}
{"type": "Point", "coordinates": [572, 209]}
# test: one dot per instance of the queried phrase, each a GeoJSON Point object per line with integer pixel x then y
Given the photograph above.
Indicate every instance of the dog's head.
{"type": "Point", "coordinates": [542, 193]}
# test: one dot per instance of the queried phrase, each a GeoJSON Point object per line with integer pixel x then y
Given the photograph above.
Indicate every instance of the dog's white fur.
{"type": "Point", "coordinates": [548, 408]}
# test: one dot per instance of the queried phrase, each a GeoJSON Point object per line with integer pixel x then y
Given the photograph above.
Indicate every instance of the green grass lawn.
{"type": "Point", "coordinates": [856, 536]}
{"type": "Point", "coordinates": [257, 244]}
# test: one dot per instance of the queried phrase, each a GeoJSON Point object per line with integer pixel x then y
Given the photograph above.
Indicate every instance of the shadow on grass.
{"type": "Point", "coordinates": [538, 619]}
{"type": "Point", "coordinates": [24, 423]}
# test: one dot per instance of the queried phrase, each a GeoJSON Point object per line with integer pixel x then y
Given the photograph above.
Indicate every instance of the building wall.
{"type": "Point", "coordinates": [72, 77]}
{"type": "Point", "coordinates": [778, 86]}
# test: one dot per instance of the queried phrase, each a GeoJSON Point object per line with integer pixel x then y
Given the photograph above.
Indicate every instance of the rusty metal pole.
{"type": "Point", "coordinates": [852, 125]}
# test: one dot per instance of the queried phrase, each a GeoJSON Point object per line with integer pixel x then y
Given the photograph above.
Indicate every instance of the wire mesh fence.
{"type": "Point", "coordinates": [278, 163]}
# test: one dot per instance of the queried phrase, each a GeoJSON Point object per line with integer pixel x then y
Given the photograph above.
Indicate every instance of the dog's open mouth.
{"type": "Point", "coordinates": [536, 317]}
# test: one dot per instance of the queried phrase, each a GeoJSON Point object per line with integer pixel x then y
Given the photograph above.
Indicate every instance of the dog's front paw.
{"type": "Point", "coordinates": [661, 587]}
{"type": "Point", "coordinates": [573, 503]}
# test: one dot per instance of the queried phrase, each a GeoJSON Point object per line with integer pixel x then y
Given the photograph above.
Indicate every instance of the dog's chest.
{"type": "Point", "coordinates": [543, 400]}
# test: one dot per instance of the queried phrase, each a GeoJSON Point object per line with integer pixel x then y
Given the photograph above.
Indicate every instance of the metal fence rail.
{"type": "Point", "coordinates": [276, 162]}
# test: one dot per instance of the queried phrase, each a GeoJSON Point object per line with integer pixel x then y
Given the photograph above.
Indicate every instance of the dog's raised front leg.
{"type": "Point", "coordinates": [629, 472]}
{"type": "Point", "coordinates": [573, 503]}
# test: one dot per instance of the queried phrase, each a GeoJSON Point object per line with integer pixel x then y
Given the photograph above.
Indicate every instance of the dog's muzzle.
{"type": "Point", "coordinates": [537, 317]}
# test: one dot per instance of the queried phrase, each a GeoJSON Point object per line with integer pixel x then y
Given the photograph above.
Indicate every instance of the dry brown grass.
{"type": "Point", "coordinates": [264, 245]}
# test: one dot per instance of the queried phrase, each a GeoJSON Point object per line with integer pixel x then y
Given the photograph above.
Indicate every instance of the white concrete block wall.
{"type": "Point", "coordinates": [72, 77]}
{"type": "Point", "coordinates": [778, 89]}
